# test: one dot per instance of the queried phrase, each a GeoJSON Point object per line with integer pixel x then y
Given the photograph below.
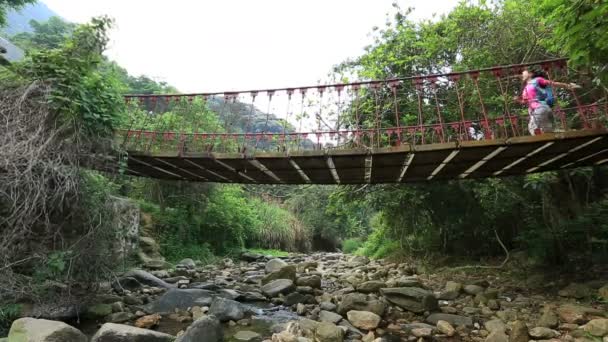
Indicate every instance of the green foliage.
{"type": "Point", "coordinates": [8, 313]}
{"type": "Point", "coordinates": [6, 5]}
{"type": "Point", "coordinates": [350, 246]}
{"type": "Point", "coordinates": [50, 34]}
{"type": "Point", "coordinates": [272, 252]}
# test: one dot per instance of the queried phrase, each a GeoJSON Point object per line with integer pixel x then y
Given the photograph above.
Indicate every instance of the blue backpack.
{"type": "Point", "coordinates": [544, 94]}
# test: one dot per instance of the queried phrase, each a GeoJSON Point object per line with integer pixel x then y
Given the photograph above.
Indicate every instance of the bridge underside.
{"type": "Point", "coordinates": [402, 164]}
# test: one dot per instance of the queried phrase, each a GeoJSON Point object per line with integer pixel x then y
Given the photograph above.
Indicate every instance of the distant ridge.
{"type": "Point", "coordinates": [19, 21]}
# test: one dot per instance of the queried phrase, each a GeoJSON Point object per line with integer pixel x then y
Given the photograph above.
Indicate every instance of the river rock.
{"type": "Point", "coordinates": [497, 336]}
{"type": "Point", "coordinates": [363, 319]}
{"type": "Point", "coordinates": [542, 333]}
{"type": "Point", "coordinates": [473, 289]}
{"type": "Point", "coordinates": [548, 319]}
{"type": "Point", "coordinates": [371, 286]}
{"type": "Point", "coordinates": [331, 317]}
{"type": "Point", "coordinates": [148, 279]}
{"type": "Point", "coordinates": [571, 313]}
{"type": "Point", "coordinates": [422, 332]}
{"type": "Point", "coordinates": [187, 263]}
{"type": "Point", "coordinates": [296, 298]}
{"type": "Point", "coordinates": [328, 332]}
{"type": "Point", "coordinates": [276, 287]}
{"type": "Point", "coordinates": [358, 260]}
{"type": "Point", "coordinates": [597, 327]}
{"type": "Point", "coordinates": [274, 265]}
{"type": "Point", "coordinates": [119, 317]}
{"type": "Point", "coordinates": [251, 257]}
{"type": "Point", "coordinates": [328, 306]}
{"type": "Point", "coordinates": [575, 290]}
{"type": "Point", "coordinates": [206, 329]}
{"type": "Point", "coordinates": [313, 281]}
{"type": "Point", "coordinates": [181, 299]}
{"type": "Point", "coordinates": [603, 292]}
{"type": "Point", "coordinates": [226, 310]}
{"type": "Point", "coordinates": [359, 301]}
{"type": "Point", "coordinates": [307, 266]}
{"type": "Point", "coordinates": [518, 332]}
{"type": "Point", "coordinates": [111, 332]}
{"type": "Point", "coordinates": [42, 330]}
{"type": "Point", "coordinates": [286, 272]}
{"type": "Point", "coordinates": [147, 322]}
{"type": "Point", "coordinates": [495, 325]}
{"type": "Point", "coordinates": [446, 328]}
{"type": "Point", "coordinates": [411, 298]}
{"type": "Point", "coordinates": [451, 291]}
{"type": "Point", "coordinates": [452, 319]}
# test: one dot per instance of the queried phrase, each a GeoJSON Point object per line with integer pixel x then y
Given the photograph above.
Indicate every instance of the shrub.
{"type": "Point", "coordinates": [351, 245]}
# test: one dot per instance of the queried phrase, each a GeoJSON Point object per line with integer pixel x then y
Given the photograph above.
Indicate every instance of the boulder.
{"type": "Point", "coordinates": [98, 310]}
{"type": "Point", "coordinates": [497, 336]}
{"type": "Point", "coordinates": [119, 317]}
{"type": "Point", "coordinates": [358, 260]}
{"type": "Point", "coordinates": [181, 299]}
{"type": "Point", "coordinates": [451, 291]}
{"type": "Point", "coordinates": [148, 322]}
{"type": "Point", "coordinates": [276, 287]}
{"type": "Point", "coordinates": [306, 266]}
{"type": "Point", "coordinates": [42, 330]}
{"type": "Point", "coordinates": [422, 332]}
{"type": "Point", "coordinates": [542, 333]}
{"type": "Point", "coordinates": [246, 335]}
{"type": "Point", "coordinates": [147, 278]}
{"type": "Point", "coordinates": [328, 332]}
{"type": "Point", "coordinates": [575, 290]}
{"type": "Point", "coordinates": [446, 328]}
{"type": "Point", "coordinates": [287, 272]}
{"type": "Point", "coordinates": [331, 317]}
{"type": "Point", "coordinates": [603, 292]}
{"type": "Point", "coordinates": [296, 298]}
{"type": "Point", "coordinates": [313, 281]}
{"type": "Point", "coordinates": [452, 319]}
{"type": "Point", "coordinates": [206, 329]}
{"type": "Point", "coordinates": [571, 313]}
{"type": "Point", "coordinates": [518, 332]}
{"type": "Point", "coordinates": [274, 265]}
{"type": "Point", "coordinates": [473, 289]}
{"type": "Point", "coordinates": [226, 310]}
{"type": "Point", "coordinates": [251, 257]}
{"type": "Point", "coordinates": [548, 319]}
{"type": "Point", "coordinates": [371, 286]}
{"type": "Point", "coordinates": [597, 327]}
{"type": "Point", "coordinates": [187, 263]}
{"type": "Point", "coordinates": [363, 319]}
{"type": "Point", "coordinates": [411, 298]}
{"type": "Point", "coordinates": [495, 325]}
{"type": "Point", "coordinates": [111, 332]}
{"type": "Point", "coordinates": [359, 301]}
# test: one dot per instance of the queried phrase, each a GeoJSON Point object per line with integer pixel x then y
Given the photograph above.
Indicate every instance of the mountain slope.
{"type": "Point", "coordinates": [19, 21]}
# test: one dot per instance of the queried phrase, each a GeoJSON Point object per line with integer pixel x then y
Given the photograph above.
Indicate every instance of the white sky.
{"type": "Point", "coordinates": [202, 45]}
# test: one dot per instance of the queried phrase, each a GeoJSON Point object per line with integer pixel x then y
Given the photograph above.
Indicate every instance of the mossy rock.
{"type": "Point", "coordinates": [99, 310]}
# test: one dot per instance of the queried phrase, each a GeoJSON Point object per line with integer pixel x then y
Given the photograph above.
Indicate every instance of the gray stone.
{"type": "Point", "coordinates": [363, 319]}
{"type": "Point", "coordinates": [371, 286]}
{"type": "Point", "coordinates": [497, 336]}
{"type": "Point", "coordinates": [473, 289]}
{"type": "Point", "coordinates": [181, 299]}
{"type": "Point", "coordinates": [187, 263]}
{"type": "Point", "coordinates": [276, 287]}
{"type": "Point", "coordinates": [312, 281]}
{"type": "Point", "coordinates": [250, 256]}
{"type": "Point", "coordinates": [287, 272]}
{"type": "Point", "coordinates": [111, 332]}
{"type": "Point", "coordinates": [446, 328]}
{"type": "Point", "coordinates": [518, 332]}
{"type": "Point", "coordinates": [407, 282]}
{"type": "Point", "coordinates": [119, 317]}
{"type": "Point", "coordinates": [543, 333]}
{"type": "Point", "coordinates": [226, 310]}
{"type": "Point", "coordinates": [422, 332]}
{"type": "Point", "coordinates": [206, 329]}
{"type": "Point", "coordinates": [452, 319]}
{"type": "Point", "coordinates": [41, 330]}
{"type": "Point", "coordinates": [296, 298]}
{"type": "Point", "coordinates": [359, 301]}
{"type": "Point", "coordinates": [327, 332]}
{"type": "Point", "coordinates": [597, 327]}
{"type": "Point", "coordinates": [495, 325]}
{"type": "Point", "coordinates": [548, 319]}
{"type": "Point", "coordinates": [328, 306]}
{"type": "Point", "coordinates": [331, 317]}
{"type": "Point", "coordinates": [575, 290]}
{"type": "Point", "coordinates": [246, 335]}
{"type": "Point", "coordinates": [148, 279]}
{"type": "Point", "coordinates": [274, 265]}
{"type": "Point", "coordinates": [411, 298]}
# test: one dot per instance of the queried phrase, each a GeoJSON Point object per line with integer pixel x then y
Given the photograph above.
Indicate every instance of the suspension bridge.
{"type": "Point", "coordinates": [455, 125]}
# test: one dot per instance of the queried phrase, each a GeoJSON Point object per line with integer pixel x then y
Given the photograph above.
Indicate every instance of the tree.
{"type": "Point", "coordinates": [50, 34]}
{"type": "Point", "coordinates": [6, 5]}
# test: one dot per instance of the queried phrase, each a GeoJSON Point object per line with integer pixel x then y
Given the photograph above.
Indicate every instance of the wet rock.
{"type": "Point", "coordinates": [286, 272]}
{"type": "Point", "coordinates": [296, 297]}
{"type": "Point", "coordinates": [98, 310]}
{"type": "Point", "coordinates": [371, 286]}
{"type": "Point", "coordinates": [226, 310]}
{"type": "Point", "coordinates": [328, 332]}
{"type": "Point", "coordinates": [251, 257]}
{"type": "Point", "coordinates": [181, 299]}
{"type": "Point", "coordinates": [328, 306]}
{"type": "Point", "coordinates": [363, 319]}
{"type": "Point", "coordinates": [575, 290]}
{"type": "Point", "coordinates": [473, 289]}
{"type": "Point", "coordinates": [452, 319]}
{"type": "Point", "coordinates": [445, 328]}
{"type": "Point", "coordinates": [359, 301]}
{"type": "Point", "coordinates": [148, 322]}
{"type": "Point", "coordinates": [148, 279]}
{"type": "Point", "coordinates": [312, 281]}
{"type": "Point", "coordinates": [252, 297]}
{"type": "Point", "coordinates": [111, 332]}
{"type": "Point", "coordinates": [276, 287]}
{"type": "Point", "coordinates": [41, 330]}
{"type": "Point", "coordinates": [518, 332]}
{"type": "Point", "coordinates": [274, 265]}
{"type": "Point", "coordinates": [542, 333]}
{"type": "Point", "coordinates": [331, 317]}
{"type": "Point", "coordinates": [245, 335]}
{"type": "Point", "coordinates": [597, 327]}
{"type": "Point", "coordinates": [132, 300]}
{"type": "Point", "coordinates": [411, 298]}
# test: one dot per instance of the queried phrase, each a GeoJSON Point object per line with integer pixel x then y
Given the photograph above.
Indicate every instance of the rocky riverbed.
{"type": "Point", "coordinates": [324, 297]}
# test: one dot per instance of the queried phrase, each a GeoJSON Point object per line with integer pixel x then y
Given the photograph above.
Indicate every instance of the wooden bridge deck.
{"type": "Point", "coordinates": [403, 164]}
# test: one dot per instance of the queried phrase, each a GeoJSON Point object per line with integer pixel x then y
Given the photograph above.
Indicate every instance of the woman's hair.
{"type": "Point", "coordinates": [537, 71]}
